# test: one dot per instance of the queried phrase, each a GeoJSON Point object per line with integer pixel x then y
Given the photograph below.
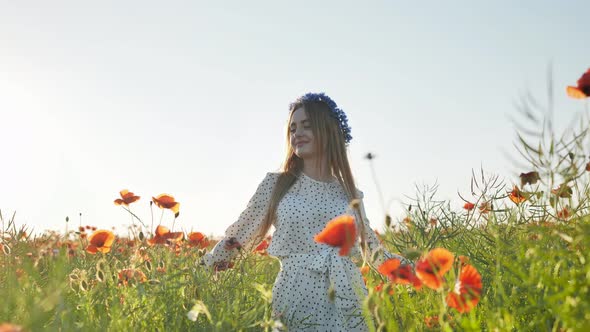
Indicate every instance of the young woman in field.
{"type": "Point", "coordinates": [314, 186]}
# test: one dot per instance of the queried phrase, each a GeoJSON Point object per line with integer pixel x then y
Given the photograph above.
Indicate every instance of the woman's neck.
{"type": "Point", "coordinates": [314, 172]}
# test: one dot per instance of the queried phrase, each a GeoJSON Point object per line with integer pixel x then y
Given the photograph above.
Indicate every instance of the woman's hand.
{"type": "Point", "coordinates": [222, 266]}
{"type": "Point", "coordinates": [232, 243]}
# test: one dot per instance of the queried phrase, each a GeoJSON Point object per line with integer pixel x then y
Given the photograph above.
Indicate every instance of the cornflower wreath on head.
{"type": "Point", "coordinates": [336, 112]}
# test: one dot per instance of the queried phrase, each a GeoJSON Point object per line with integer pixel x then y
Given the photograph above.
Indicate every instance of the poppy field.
{"type": "Point", "coordinates": [513, 256]}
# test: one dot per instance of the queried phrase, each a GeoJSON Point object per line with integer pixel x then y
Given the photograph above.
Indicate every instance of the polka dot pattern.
{"type": "Point", "coordinates": [300, 293]}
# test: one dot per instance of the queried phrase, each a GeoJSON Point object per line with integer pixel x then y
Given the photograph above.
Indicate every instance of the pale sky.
{"type": "Point", "coordinates": [191, 98]}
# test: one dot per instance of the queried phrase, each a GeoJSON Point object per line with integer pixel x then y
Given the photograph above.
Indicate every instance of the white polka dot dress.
{"type": "Point", "coordinates": [316, 289]}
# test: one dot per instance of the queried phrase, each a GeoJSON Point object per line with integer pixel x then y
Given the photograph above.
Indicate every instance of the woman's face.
{"type": "Point", "coordinates": [302, 140]}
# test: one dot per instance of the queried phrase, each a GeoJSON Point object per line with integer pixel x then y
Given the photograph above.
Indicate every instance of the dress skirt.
{"type": "Point", "coordinates": [319, 292]}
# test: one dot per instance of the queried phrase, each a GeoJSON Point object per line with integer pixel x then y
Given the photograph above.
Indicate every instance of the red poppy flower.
{"type": "Point", "coordinates": [339, 232]}
{"type": "Point", "coordinates": [164, 236]}
{"type": "Point", "coordinates": [261, 247]}
{"type": "Point", "coordinates": [432, 268]}
{"type": "Point", "coordinates": [564, 213]}
{"type": "Point", "coordinates": [400, 274]}
{"type": "Point", "coordinates": [165, 201]}
{"type": "Point", "coordinates": [101, 240]}
{"type": "Point", "coordinates": [467, 290]}
{"type": "Point", "coordinates": [469, 206]}
{"type": "Point", "coordinates": [583, 89]}
{"type": "Point", "coordinates": [516, 196]}
{"type": "Point", "coordinates": [529, 178]}
{"type": "Point", "coordinates": [197, 239]}
{"type": "Point", "coordinates": [485, 207]}
{"type": "Point", "coordinates": [131, 275]}
{"type": "Point", "coordinates": [127, 198]}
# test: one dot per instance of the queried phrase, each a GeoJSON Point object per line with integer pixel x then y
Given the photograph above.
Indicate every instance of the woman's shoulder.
{"type": "Point", "coordinates": [359, 193]}
{"type": "Point", "coordinates": [271, 177]}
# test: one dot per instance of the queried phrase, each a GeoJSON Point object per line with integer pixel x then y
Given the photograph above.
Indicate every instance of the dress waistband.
{"type": "Point", "coordinates": [342, 273]}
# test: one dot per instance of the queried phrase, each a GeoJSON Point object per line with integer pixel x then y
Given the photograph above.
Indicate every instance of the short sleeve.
{"type": "Point", "coordinates": [245, 229]}
{"type": "Point", "coordinates": [373, 243]}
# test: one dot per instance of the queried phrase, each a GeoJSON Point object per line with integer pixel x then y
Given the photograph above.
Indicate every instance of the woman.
{"type": "Point", "coordinates": [314, 186]}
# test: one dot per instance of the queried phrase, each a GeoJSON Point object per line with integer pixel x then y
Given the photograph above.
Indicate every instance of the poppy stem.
{"type": "Point", "coordinates": [173, 221]}
{"type": "Point", "coordinates": [161, 216]}
{"type": "Point", "coordinates": [374, 175]}
{"type": "Point", "coordinates": [152, 212]}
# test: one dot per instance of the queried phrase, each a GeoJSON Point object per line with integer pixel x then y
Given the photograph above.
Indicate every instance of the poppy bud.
{"type": "Point", "coordinates": [387, 220]}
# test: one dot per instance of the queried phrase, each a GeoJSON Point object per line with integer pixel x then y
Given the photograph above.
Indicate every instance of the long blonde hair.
{"type": "Point", "coordinates": [329, 141]}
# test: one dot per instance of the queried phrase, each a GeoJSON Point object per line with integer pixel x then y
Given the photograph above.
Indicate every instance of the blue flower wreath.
{"type": "Point", "coordinates": [336, 113]}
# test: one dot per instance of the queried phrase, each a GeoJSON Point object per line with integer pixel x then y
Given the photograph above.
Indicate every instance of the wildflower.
{"type": "Point", "coordinates": [100, 240]}
{"type": "Point", "coordinates": [529, 178]}
{"type": "Point", "coordinates": [469, 206]}
{"type": "Point", "coordinates": [583, 89]}
{"type": "Point", "coordinates": [516, 196]}
{"type": "Point", "coordinates": [165, 201]}
{"type": "Point", "coordinates": [467, 290]}
{"type": "Point", "coordinates": [433, 221]}
{"type": "Point", "coordinates": [463, 260]}
{"type": "Point", "coordinates": [432, 268]}
{"type": "Point", "coordinates": [127, 198]}
{"type": "Point", "coordinates": [339, 232]}
{"type": "Point", "coordinates": [485, 207]}
{"type": "Point", "coordinates": [431, 321]}
{"type": "Point", "coordinates": [563, 191]}
{"type": "Point", "coordinates": [564, 213]}
{"type": "Point", "coordinates": [164, 236]}
{"type": "Point", "coordinates": [131, 275]}
{"type": "Point", "coordinates": [261, 248]}
{"type": "Point", "coordinates": [365, 269]}
{"type": "Point", "coordinates": [400, 274]}
{"type": "Point", "coordinates": [197, 239]}
{"type": "Point", "coordinates": [7, 327]}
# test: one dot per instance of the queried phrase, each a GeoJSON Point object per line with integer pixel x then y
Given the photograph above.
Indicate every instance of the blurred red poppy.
{"type": "Point", "coordinates": [197, 239]}
{"type": "Point", "coordinates": [339, 232]}
{"type": "Point", "coordinates": [583, 89]}
{"type": "Point", "coordinates": [400, 274]}
{"type": "Point", "coordinates": [516, 196]}
{"type": "Point", "coordinates": [127, 198]}
{"type": "Point", "coordinates": [127, 276]}
{"type": "Point", "coordinates": [432, 268]}
{"type": "Point", "coordinates": [469, 206]}
{"type": "Point", "coordinates": [261, 248]}
{"type": "Point", "coordinates": [564, 213]}
{"type": "Point", "coordinates": [485, 207]}
{"type": "Point", "coordinates": [467, 290]}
